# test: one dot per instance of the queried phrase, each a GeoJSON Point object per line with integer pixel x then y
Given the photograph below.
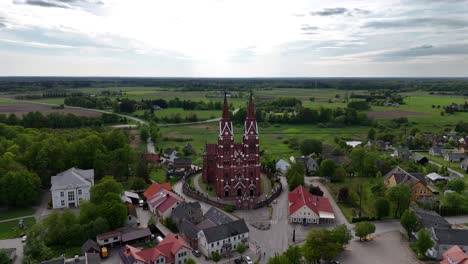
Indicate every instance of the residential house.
{"type": "Point", "coordinates": [71, 187]}
{"type": "Point", "coordinates": [182, 163]}
{"type": "Point", "coordinates": [463, 149]}
{"type": "Point", "coordinates": [156, 187]}
{"type": "Point", "coordinates": [415, 181]}
{"type": "Point", "coordinates": [187, 211]}
{"type": "Point", "coordinates": [217, 216]}
{"type": "Point", "coordinates": [434, 178]}
{"type": "Point", "coordinates": [430, 219]}
{"type": "Point", "coordinates": [436, 151]}
{"type": "Point", "coordinates": [188, 148]}
{"type": "Point", "coordinates": [464, 165]}
{"type": "Point", "coordinates": [402, 153]}
{"type": "Point", "coordinates": [309, 163]}
{"type": "Point", "coordinates": [163, 203]}
{"type": "Point", "coordinates": [170, 154]}
{"type": "Point", "coordinates": [444, 239]}
{"type": "Point", "coordinates": [454, 157]}
{"type": "Point", "coordinates": [90, 246]}
{"type": "Point", "coordinates": [455, 255]}
{"type": "Point", "coordinates": [189, 232]}
{"type": "Point", "coordinates": [378, 144]}
{"type": "Point", "coordinates": [282, 166]}
{"type": "Point", "coordinates": [171, 250]}
{"type": "Point", "coordinates": [87, 258]}
{"type": "Point", "coordinates": [223, 238]}
{"type": "Point", "coordinates": [136, 235]}
{"type": "Point", "coordinates": [109, 238]}
{"type": "Point", "coordinates": [306, 208]}
{"type": "Point", "coordinates": [419, 159]}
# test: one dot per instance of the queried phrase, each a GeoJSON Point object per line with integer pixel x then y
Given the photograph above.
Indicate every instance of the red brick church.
{"type": "Point", "coordinates": [234, 168]}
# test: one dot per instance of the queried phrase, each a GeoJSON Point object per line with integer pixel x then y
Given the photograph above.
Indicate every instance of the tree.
{"type": "Point", "coordinates": [325, 244]}
{"type": "Point", "coordinates": [382, 207]}
{"type": "Point", "coordinates": [19, 187]}
{"type": "Point", "coordinates": [240, 248]}
{"type": "Point", "coordinates": [280, 259]}
{"type": "Point", "coordinates": [456, 185]}
{"type": "Point", "coordinates": [107, 185]}
{"type": "Point", "coordinates": [423, 243]}
{"type": "Point", "coordinates": [144, 133]}
{"type": "Point", "coordinates": [215, 257]}
{"type": "Point", "coordinates": [190, 261]}
{"type": "Point", "coordinates": [343, 195]}
{"type": "Point", "coordinates": [359, 190]}
{"type": "Point", "coordinates": [339, 175]}
{"type": "Point", "coordinates": [294, 255]}
{"type": "Point", "coordinates": [409, 221]}
{"type": "Point", "coordinates": [363, 229]}
{"type": "Point", "coordinates": [456, 200]}
{"type": "Point", "coordinates": [371, 134]}
{"type": "Point", "coordinates": [295, 175]}
{"type": "Point", "coordinates": [399, 196]}
{"type": "Point", "coordinates": [327, 168]}
{"type": "Point", "coordinates": [315, 190]}
{"type": "Point", "coordinates": [364, 161]}
{"type": "Point", "coordinates": [4, 258]}
{"type": "Point", "coordinates": [309, 146]}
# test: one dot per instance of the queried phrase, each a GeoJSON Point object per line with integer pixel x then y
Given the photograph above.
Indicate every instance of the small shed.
{"type": "Point", "coordinates": [90, 246]}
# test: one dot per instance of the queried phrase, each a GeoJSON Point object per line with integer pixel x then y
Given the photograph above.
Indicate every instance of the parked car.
{"type": "Point", "coordinates": [247, 260]}
{"type": "Point", "coordinates": [196, 253]}
{"type": "Point", "coordinates": [334, 262]}
{"type": "Point", "coordinates": [238, 261]}
{"type": "Point", "coordinates": [275, 201]}
{"type": "Point", "coordinates": [23, 238]}
{"type": "Point", "coordinates": [141, 203]}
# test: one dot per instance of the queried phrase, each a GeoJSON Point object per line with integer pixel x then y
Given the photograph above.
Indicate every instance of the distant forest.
{"type": "Point", "coordinates": [436, 85]}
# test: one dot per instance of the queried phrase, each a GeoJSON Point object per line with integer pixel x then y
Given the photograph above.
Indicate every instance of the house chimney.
{"type": "Point", "coordinates": [177, 236]}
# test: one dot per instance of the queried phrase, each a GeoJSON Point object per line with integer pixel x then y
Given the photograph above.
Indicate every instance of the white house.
{"type": "Point", "coordinates": [306, 208]}
{"type": "Point", "coordinates": [163, 203]}
{"type": "Point", "coordinates": [282, 166]}
{"type": "Point", "coordinates": [223, 238]}
{"type": "Point", "coordinates": [71, 187]}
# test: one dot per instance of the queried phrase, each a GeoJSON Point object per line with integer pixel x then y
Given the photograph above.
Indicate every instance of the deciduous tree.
{"type": "Point", "coordinates": [409, 221]}
{"type": "Point", "coordinates": [363, 229]}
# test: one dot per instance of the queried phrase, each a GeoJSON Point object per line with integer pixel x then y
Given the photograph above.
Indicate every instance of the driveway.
{"type": "Point", "coordinates": [14, 243]}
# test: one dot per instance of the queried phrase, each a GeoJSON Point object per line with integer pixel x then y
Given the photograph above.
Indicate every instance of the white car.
{"type": "Point", "coordinates": [23, 239]}
{"type": "Point", "coordinates": [141, 203]}
{"type": "Point", "coordinates": [248, 260]}
{"type": "Point", "coordinates": [275, 201]}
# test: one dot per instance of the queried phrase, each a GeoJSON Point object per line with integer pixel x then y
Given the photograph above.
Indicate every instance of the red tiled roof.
{"type": "Point", "coordinates": [156, 187]}
{"type": "Point", "coordinates": [154, 157]}
{"type": "Point", "coordinates": [300, 197]}
{"type": "Point", "coordinates": [163, 200]}
{"type": "Point", "coordinates": [456, 255]}
{"type": "Point", "coordinates": [168, 247]}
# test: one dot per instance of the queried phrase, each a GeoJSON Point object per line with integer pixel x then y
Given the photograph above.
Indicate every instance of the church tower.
{"type": "Point", "coordinates": [251, 149]}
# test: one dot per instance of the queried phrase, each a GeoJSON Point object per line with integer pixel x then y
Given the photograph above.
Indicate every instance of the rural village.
{"type": "Point", "coordinates": [154, 188]}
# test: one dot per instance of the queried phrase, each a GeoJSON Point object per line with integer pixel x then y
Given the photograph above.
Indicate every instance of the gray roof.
{"type": "Point", "coordinates": [217, 216]}
{"type": "Point", "coordinates": [205, 224]}
{"type": "Point", "coordinates": [93, 258]}
{"type": "Point", "coordinates": [169, 151]}
{"type": "Point", "coordinates": [455, 155]}
{"type": "Point", "coordinates": [225, 231]}
{"type": "Point", "coordinates": [418, 157]}
{"type": "Point", "coordinates": [90, 244]}
{"type": "Point", "coordinates": [430, 219]}
{"type": "Point", "coordinates": [72, 178]}
{"type": "Point", "coordinates": [184, 209]}
{"type": "Point", "coordinates": [465, 162]}
{"type": "Point", "coordinates": [189, 229]}
{"type": "Point", "coordinates": [136, 234]}
{"type": "Point", "coordinates": [438, 150]}
{"type": "Point", "coordinates": [402, 176]}
{"type": "Point", "coordinates": [451, 236]}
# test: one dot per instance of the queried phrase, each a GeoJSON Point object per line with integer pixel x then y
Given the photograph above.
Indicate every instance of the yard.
{"type": "Point", "coordinates": [15, 212]}
{"type": "Point", "coordinates": [10, 229]}
{"type": "Point", "coordinates": [351, 209]}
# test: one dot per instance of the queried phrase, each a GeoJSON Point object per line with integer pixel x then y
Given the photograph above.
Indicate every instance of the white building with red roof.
{"type": "Point", "coordinates": [170, 250]}
{"type": "Point", "coordinates": [306, 208]}
{"type": "Point", "coordinates": [163, 202]}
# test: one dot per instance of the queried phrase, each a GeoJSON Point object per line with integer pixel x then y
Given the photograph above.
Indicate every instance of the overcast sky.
{"type": "Point", "coordinates": [234, 38]}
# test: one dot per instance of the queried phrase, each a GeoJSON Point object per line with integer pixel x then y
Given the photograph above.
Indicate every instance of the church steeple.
{"type": "Point", "coordinates": [250, 129]}
{"type": "Point", "coordinates": [226, 131]}
{"type": "Point", "coordinates": [250, 108]}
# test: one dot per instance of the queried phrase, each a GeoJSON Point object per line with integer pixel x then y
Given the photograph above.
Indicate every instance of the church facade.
{"type": "Point", "coordinates": [234, 168]}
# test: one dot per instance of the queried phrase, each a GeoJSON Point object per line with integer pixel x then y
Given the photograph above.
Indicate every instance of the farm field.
{"type": "Point", "coordinates": [273, 138]}
{"type": "Point", "coordinates": [19, 109]}
{"type": "Point", "coordinates": [171, 112]}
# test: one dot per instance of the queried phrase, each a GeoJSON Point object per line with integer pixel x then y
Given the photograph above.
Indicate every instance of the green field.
{"type": "Point", "coordinates": [171, 112]}
{"type": "Point", "coordinates": [10, 229]}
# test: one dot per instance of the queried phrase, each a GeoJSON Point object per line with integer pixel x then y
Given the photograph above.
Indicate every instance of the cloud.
{"type": "Point", "coordinates": [36, 44]}
{"type": "Point", "coordinates": [425, 51]}
{"type": "Point", "coordinates": [417, 22]}
{"type": "Point", "coordinates": [330, 11]}
{"type": "Point", "coordinates": [359, 11]}
{"type": "Point", "coordinates": [57, 3]}
{"type": "Point", "coordinates": [45, 3]}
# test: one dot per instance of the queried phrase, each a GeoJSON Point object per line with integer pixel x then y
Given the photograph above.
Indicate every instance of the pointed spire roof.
{"type": "Point", "coordinates": [225, 107]}
{"type": "Point", "coordinates": [250, 108]}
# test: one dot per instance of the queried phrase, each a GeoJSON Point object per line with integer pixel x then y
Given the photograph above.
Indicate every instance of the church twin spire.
{"type": "Point", "coordinates": [226, 130]}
